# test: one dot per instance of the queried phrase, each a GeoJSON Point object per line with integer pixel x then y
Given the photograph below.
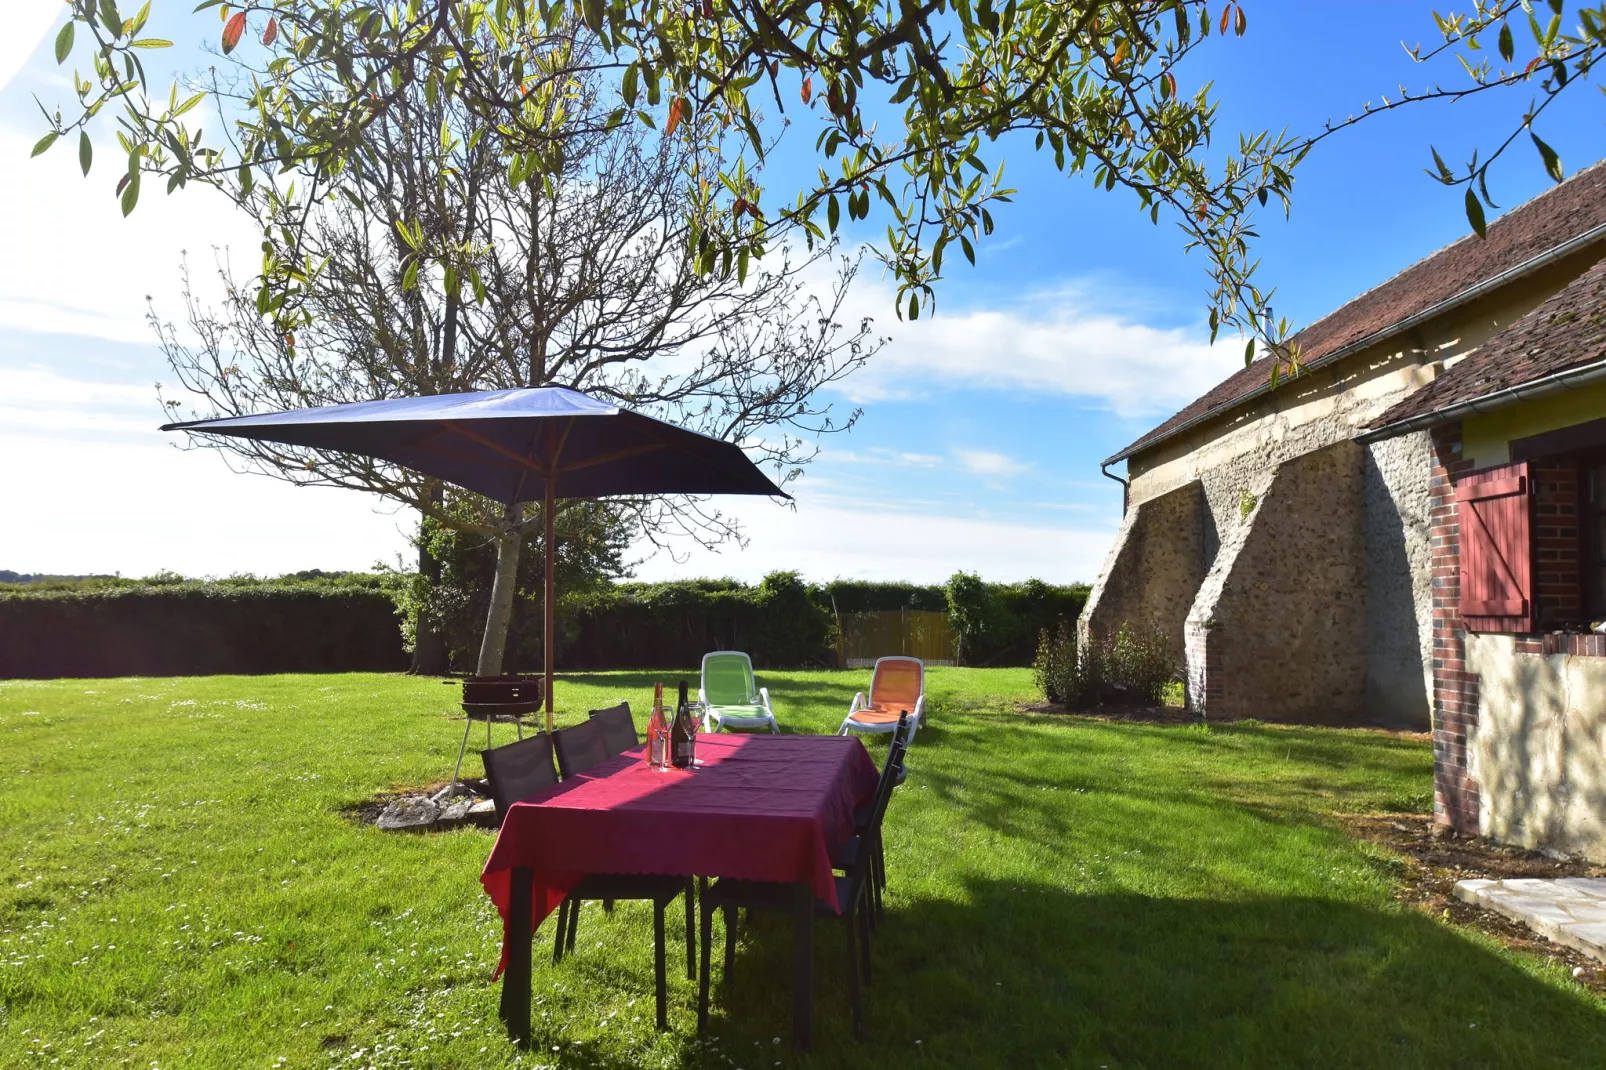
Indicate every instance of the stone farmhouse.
{"type": "Point", "coordinates": [1412, 531]}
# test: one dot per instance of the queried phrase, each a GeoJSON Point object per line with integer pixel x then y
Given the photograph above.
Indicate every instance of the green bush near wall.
{"type": "Point", "coordinates": [176, 628]}
{"type": "Point", "coordinates": [999, 623]}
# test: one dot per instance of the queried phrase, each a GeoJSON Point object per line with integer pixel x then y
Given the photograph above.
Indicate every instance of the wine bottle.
{"type": "Point", "coordinates": [657, 731]}
{"type": "Point", "coordinates": [680, 737]}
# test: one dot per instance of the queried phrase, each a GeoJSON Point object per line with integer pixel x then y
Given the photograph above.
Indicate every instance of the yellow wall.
{"type": "Point", "coordinates": [1486, 437]}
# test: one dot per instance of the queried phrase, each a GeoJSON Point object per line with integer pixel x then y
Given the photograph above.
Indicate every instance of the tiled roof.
{"type": "Point", "coordinates": [1568, 329]}
{"type": "Point", "coordinates": [1526, 232]}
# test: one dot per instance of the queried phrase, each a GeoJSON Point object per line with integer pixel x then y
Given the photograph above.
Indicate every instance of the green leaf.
{"type": "Point", "coordinates": [130, 195]}
{"type": "Point", "coordinates": [1249, 353]}
{"type": "Point", "coordinates": [833, 212]}
{"type": "Point", "coordinates": [86, 152]}
{"type": "Point", "coordinates": [44, 143]}
{"type": "Point", "coordinates": [1507, 48]}
{"type": "Point", "coordinates": [187, 105]}
{"type": "Point", "coordinates": [64, 42]}
{"type": "Point", "coordinates": [914, 306]}
{"type": "Point", "coordinates": [1475, 215]}
{"type": "Point", "coordinates": [151, 42]}
{"type": "Point", "coordinates": [1548, 154]}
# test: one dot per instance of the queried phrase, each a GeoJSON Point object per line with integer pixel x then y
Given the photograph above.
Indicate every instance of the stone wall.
{"type": "Point", "coordinates": [1278, 628]}
{"type": "Point", "coordinates": [1155, 567]}
{"type": "Point", "coordinates": [1399, 590]}
{"type": "Point", "coordinates": [1537, 745]}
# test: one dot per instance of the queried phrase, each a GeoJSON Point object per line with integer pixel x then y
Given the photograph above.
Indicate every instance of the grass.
{"type": "Point", "coordinates": [180, 887]}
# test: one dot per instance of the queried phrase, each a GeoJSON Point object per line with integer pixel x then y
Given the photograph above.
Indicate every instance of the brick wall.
{"type": "Point", "coordinates": [1558, 587]}
{"type": "Point", "coordinates": [1455, 690]}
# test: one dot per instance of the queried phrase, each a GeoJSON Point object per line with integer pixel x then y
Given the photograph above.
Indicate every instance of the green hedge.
{"type": "Point", "coordinates": [780, 623]}
{"type": "Point", "coordinates": [128, 628]}
{"type": "Point", "coordinates": [318, 622]}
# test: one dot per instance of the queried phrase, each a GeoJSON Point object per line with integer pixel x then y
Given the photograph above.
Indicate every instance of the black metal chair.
{"type": "Point", "coordinates": [853, 901]}
{"type": "Point", "coordinates": [579, 747]}
{"type": "Point", "coordinates": [892, 775]}
{"type": "Point", "coordinates": [519, 770]}
{"type": "Point", "coordinates": [618, 729]}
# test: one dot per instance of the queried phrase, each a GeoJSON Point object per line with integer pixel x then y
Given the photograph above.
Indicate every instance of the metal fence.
{"type": "Point", "coordinates": [917, 633]}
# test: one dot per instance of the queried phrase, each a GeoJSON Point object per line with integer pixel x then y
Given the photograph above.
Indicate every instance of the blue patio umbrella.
{"type": "Point", "coordinates": [531, 445]}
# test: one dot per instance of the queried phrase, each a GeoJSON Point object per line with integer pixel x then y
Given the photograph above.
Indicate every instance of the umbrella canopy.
{"type": "Point", "coordinates": [516, 446]}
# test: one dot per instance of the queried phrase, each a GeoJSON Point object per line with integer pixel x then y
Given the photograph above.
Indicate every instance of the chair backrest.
{"type": "Point", "coordinates": [618, 729]}
{"type": "Point", "coordinates": [898, 683]}
{"type": "Point", "coordinates": [519, 770]}
{"type": "Point", "coordinates": [579, 748]}
{"type": "Point", "coordinates": [728, 679]}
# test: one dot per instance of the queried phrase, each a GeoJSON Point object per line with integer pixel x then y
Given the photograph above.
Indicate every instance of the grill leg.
{"type": "Point", "coordinates": [458, 768]}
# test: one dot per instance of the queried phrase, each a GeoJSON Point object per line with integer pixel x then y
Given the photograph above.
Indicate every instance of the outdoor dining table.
{"type": "Point", "coordinates": [757, 807]}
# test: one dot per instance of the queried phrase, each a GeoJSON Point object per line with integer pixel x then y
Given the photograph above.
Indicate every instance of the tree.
{"type": "Point", "coordinates": [1097, 83]}
{"type": "Point", "coordinates": [422, 265]}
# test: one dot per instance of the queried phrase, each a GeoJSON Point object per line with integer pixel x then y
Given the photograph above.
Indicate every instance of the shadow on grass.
{"type": "Point", "coordinates": [1020, 975]}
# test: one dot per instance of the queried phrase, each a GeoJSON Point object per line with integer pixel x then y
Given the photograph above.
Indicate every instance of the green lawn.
{"type": "Point", "coordinates": [179, 887]}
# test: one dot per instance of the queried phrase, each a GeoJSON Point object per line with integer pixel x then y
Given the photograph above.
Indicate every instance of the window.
{"type": "Point", "coordinates": [1593, 521]}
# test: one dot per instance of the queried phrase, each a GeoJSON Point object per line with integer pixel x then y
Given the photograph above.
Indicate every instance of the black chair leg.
{"type": "Point", "coordinates": [703, 981]}
{"type": "Point", "coordinates": [851, 927]}
{"type": "Point", "coordinates": [864, 949]}
{"type": "Point", "coordinates": [660, 982]}
{"type": "Point", "coordinates": [561, 933]}
{"type": "Point", "coordinates": [691, 932]}
{"type": "Point", "coordinates": [574, 926]}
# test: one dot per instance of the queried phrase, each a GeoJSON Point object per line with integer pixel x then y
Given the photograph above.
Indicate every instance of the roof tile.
{"type": "Point", "coordinates": [1554, 217]}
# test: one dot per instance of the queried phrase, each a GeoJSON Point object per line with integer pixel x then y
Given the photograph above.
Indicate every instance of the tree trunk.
{"type": "Point", "coordinates": [503, 588]}
{"type": "Point", "coordinates": [429, 646]}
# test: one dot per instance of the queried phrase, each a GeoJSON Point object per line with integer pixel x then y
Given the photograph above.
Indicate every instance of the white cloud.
{"type": "Point", "coordinates": [79, 267]}
{"type": "Point", "coordinates": [27, 23]}
{"type": "Point", "coordinates": [823, 541]}
{"type": "Point", "coordinates": [1061, 341]}
{"type": "Point", "coordinates": [990, 463]}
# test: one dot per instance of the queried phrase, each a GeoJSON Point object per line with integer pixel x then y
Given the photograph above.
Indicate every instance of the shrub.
{"type": "Point", "coordinates": [998, 623]}
{"type": "Point", "coordinates": [1135, 667]}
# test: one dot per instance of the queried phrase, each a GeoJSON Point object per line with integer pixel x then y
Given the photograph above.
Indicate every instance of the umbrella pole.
{"type": "Point", "coordinates": [551, 572]}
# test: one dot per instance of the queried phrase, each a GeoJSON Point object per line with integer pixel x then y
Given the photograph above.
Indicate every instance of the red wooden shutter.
{"type": "Point", "coordinates": [1492, 507]}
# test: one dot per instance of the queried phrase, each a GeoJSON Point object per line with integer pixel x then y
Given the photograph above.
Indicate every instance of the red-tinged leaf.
{"type": "Point", "coordinates": [271, 34]}
{"type": "Point", "coordinates": [1120, 53]}
{"type": "Point", "coordinates": [122, 182]}
{"type": "Point", "coordinates": [740, 207]}
{"type": "Point", "coordinates": [1240, 22]}
{"type": "Point", "coordinates": [232, 32]}
{"type": "Point", "coordinates": [808, 89]}
{"type": "Point", "coordinates": [674, 117]}
{"type": "Point", "coordinates": [1536, 61]}
{"type": "Point", "coordinates": [1226, 18]}
{"type": "Point", "coordinates": [1170, 85]}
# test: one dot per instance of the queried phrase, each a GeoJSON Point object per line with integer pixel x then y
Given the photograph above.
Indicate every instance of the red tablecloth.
{"type": "Point", "coordinates": [759, 808]}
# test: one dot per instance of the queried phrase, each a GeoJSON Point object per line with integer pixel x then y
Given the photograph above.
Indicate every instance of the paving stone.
{"type": "Point", "coordinates": [1591, 886]}
{"type": "Point", "coordinates": [409, 814]}
{"type": "Point", "coordinates": [1536, 886]}
{"type": "Point", "coordinates": [1590, 939]}
{"type": "Point", "coordinates": [455, 813]}
{"type": "Point", "coordinates": [1467, 890]}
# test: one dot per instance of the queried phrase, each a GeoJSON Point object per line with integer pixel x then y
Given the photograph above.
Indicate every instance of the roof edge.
{"type": "Point", "coordinates": [1555, 382]}
{"type": "Point", "coordinates": [1544, 259]}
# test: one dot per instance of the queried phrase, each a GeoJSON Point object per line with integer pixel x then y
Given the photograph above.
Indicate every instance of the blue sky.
{"type": "Point", "coordinates": [1080, 327]}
